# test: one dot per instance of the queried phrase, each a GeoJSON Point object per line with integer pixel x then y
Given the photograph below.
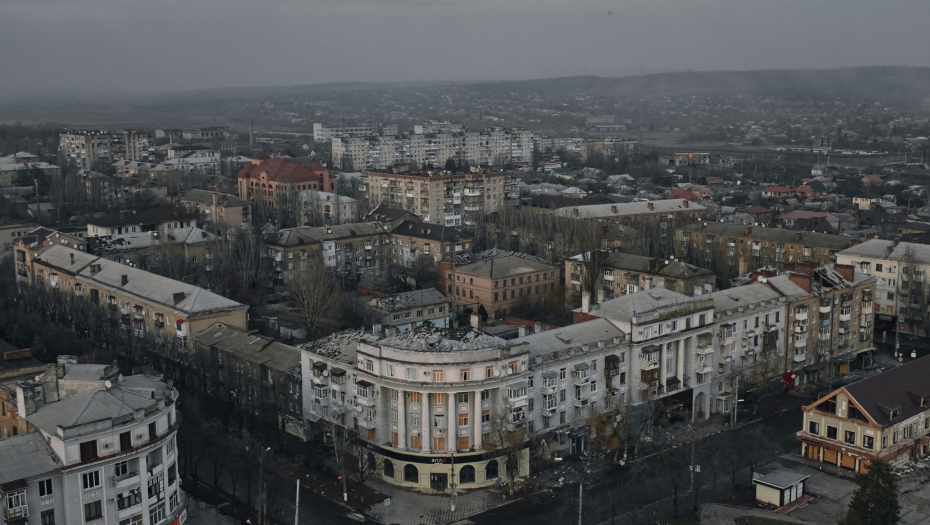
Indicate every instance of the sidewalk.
{"type": "Point", "coordinates": [415, 508]}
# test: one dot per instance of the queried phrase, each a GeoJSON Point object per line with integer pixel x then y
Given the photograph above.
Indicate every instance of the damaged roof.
{"type": "Point", "coordinates": [403, 301]}
{"type": "Point", "coordinates": [250, 347]}
{"type": "Point", "coordinates": [340, 346]}
{"type": "Point", "coordinates": [428, 339]}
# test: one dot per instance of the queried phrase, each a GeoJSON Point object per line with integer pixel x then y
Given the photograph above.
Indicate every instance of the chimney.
{"type": "Point", "coordinates": [743, 267]}
{"type": "Point", "coordinates": [846, 270]}
{"type": "Point", "coordinates": [391, 331]}
{"type": "Point", "coordinates": [215, 201]}
{"type": "Point", "coordinates": [803, 281]}
{"type": "Point", "coordinates": [521, 331]}
{"type": "Point", "coordinates": [575, 212]}
{"type": "Point", "coordinates": [585, 302]}
{"type": "Point", "coordinates": [476, 320]}
{"type": "Point", "coordinates": [748, 231]}
{"type": "Point", "coordinates": [798, 236]}
{"type": "Point", "coordinates": [650, 206]}
{"type": "Point", "coordinates": [124, 279]}
{"type": "Point", "coordinates": [537, 327]}
{"type": "Point", "coordinates": [600, 295]}
{"type": "Point", "coordinates": [684, 203]}
{"type": "Point", "coordinates": [376, 329]}
{"type": "Point", "coordinates": [72, 258]}
{"type": "Point", "coordinates": [29, 397]}
{"type": "Point", "coordinates": [178, 297]}
{"type": "Point", "coordinates": [613, 209]}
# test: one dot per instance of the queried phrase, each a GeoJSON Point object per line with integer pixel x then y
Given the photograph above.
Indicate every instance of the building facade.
{"type": "Point", "coordinates": [624, 273]}
{"type": "Point", "coordinates": [104, 449]}
{"type": "Point", "coordinates": [269, 181]}
{"type": "Point", "coordinates": [886, 417]}
{"type": "Point", "coordinates": [436, 196]}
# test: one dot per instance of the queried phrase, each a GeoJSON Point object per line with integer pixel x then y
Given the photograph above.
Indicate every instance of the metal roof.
{"type": "Point", "coordinates": [403, 301]}
{"type": "Point", "coordinates": [26, 456]}
{"type": "Point", "coordinates": [250, 347]}
{"type": "Point", "coordinates": [147, 286]}
{"type": "Point", "coordinates": [746, 295]}
{"type": "Point", "coordinates": [782, 478]}
{"type": "Point", "coordinates": [495, 268]}
{"type": "Point", "coordinates": [625, 307]}
{"type": "Point", "coordinates": [629, 208]}
{"type": "Point", "coordinates": [571, 336]}
{"type": "Point", "coordinates": [836, 242]}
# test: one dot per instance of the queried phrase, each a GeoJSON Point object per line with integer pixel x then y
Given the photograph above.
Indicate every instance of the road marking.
{"type": "Point", "coordinates": [356, 516]}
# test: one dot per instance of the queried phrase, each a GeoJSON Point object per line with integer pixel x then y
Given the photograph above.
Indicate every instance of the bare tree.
{"type": "Point", "coordinates": [316, 293]}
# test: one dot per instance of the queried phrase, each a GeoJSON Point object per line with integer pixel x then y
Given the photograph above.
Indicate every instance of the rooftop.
{"type": "Point", "coordinates": [778, 235]}
{"type": "Point", "coordinates": [250, 347]}
{"type": "Point", "coordinates": [280, 170]}
{"type": "Point", "coordinates": [572, 336]}
{"type": "Point", "coordinates": [147, 286]}
{"type": "Point", "coordinates": [428, 339]}
{"type": "Point", "coordinates": [645, 303]}
{"type": "Point", "coordinates": [153, 216]}
{"type": "Point", "coordinates": [206, 197]}
{"type": "Point", "coordinates": [902, 386]}
{"type": "Point", "coordinates": [312, 235]}
{"type": "Point", "coordinates": [406, 300]}
{"type": "Point", "coordinates": [629, 208]}
{"type": "Point", "coordinates": [340, 346]}
{"type": "Point", "coordinates": [501, 267]}
{"type": "Point", "coordinates": [25, 456]}
{"type": "Point", "coordinates": [891, 250]}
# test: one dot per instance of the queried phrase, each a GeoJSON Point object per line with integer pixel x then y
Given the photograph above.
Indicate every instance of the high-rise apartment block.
{"type": "Point", "coordinates": [83, 147]}
{"type": "Point", "coordinates": [439, 197]}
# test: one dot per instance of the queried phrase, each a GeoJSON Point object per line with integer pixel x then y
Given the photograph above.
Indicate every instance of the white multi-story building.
{"type": "Point", "coordinates": [105, 450]}
{"type": "Point", "coordinates": [423, 396]}
{"type": "Point", "coordinates": [322, 132]}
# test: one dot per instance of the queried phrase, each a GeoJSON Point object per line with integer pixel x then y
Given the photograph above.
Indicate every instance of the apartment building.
{"type": "Point", "coordinates": [322, 132]}
{"type": "Point", "coordinates": [15, 365]}
{"type": "Point", "coordinates": [438, 197]}
{"type": "Point", "coordinates": [217, 208]}
{"type": "Point", "coordinates": [133, 168]}
{"type": "Point", "coordinates": [146, 302]}
{"type": "Point", "coordinates": [495, 147]}
{"type": "Point", "coordinates": [10, 232]}
{"type": "Point", "coordinates": [663, 331]}
{"type": "Point", "coordinates": [625, 213]}
{"type": "Point", "coordinates": [212, 133]}
{"type": "Point", "coordinates": [900, 272]}
{"type": "Point", "coordinates": [323, 207]}
{"type": "Point", "coordinates": [501, 283]}
{"type": "Point", "coordinates": [409, 310]}
{"type": "Point", "coordinates": [830, 321]}
{"type": "Point", "coordinates": [755, 247]}
{"type": "Point", "coordinates": [83, 147]}
{"type": "Point", "coordinates": [625, 273]}
{"type": "Point", "coordinates": [162, 220]}
{"type": "Point", "coordinates": [884, 417]}
{"type": "Point", "coordinates": [13, 173]}
{"type": "Point", "coordinates": [345, 249]}
{"type": "Point", "coordinates": [268, 180]}
{"type": "Point", "coordinates": [35, 243]}
{"type": "Point", "coordinates": [104, 451]}
{"type": "Point", "coordinates": [414, 238]}
{"type": "Point", "coordinates": [151, 250]}
{"type": "Point", "coordinates": [253, 370]}
{"type": "Point", "coordinates": [421, 396]}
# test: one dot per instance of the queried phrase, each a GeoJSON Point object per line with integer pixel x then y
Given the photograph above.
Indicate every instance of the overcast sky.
{"type": "Point", "coordinates": [160, 45]}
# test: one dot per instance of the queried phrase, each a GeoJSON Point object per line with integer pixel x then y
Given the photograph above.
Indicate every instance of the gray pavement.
{"type": "Point", "coordinates": [416, 508]}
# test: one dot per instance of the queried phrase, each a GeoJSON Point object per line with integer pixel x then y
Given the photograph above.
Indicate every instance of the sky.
{"type": "Point", "coordinates": [168, 45]}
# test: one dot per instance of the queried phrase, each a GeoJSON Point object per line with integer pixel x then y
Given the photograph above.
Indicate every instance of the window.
{"type": "Point", "coordinates": [121, 468]}
{"type": "Point", "coordinates": [593, 387]}
{"type": "Point", "coordinates": [438, 376]}
{"type": "Point", "coordinates": [814, 428]}
{"type": "Point", "coordinates": [369, 365]}
{"type": "Point", "coordinates": [174, 501]}
{"type": "Point", "coordinates": [45, 488]}
{"type": "Point", "coordinates": [850, 437]}
{"type": "Point", "coordinates": [462, 398]}
{"type": "Point", "coordinates": [562, 396]}
{"type": "Point", "coordinates": [465, 375]}
{"type": "Point", "coordinates": [485, 395]}
{"type": "Point", "coordinates": [157, 514]}
{"type": "Point", "coordinates": [390, 370]}
{"type": "Point", "coordinates": [562, 374]}
{"type": "Point", "coordinates": [868, 441]}
{"type": "Point", "coordinates": [90, 479]}
{"type": "Point", "coordinates": [489, 372]}
{"type": "Point", "coordinates": [48, 517]}
{"type": "Point", "coordinates": [411, 374]}
{"type": "Point", "coordinates": [88, 450]}
{"type": "Point", "coordinates": [93, 511]}
{"type": "Point", "coordinates": [831, 432]}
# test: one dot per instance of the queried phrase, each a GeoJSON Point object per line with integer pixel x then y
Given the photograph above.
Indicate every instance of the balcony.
{"type": "Point", "coordinates": [579, 378]}
{"type": "Point", "coordinates": [800, 343]}
{"type": "Point", "coordinates": [582, 402]}
{"type": "Point", "coordinates": [800, 329]}
{"type": "Point", "coordinates": [474, 192]}
{"type": "Point", "coordinates": [800, 358]}
{"type": "Point", "coordinates": [649, 365]}
{"type": "Point", "coordinates": [549, 388]}
{"type": "Point", "coordinates": [703, 368]}
{"type": "Point", "coordinates": [704, 349]}
{"type": "Point", "coordinates": [825, 309]}
{"type": "Point", "coordinates": [16, 513]}
{"type": "Point", "coordinates": [866, 307]}
{"type": "Point", "coordinates": [366, 422]}
{"type": "Point", "coordinates": [770, 328]}
{"type": "Point", "coordinates": [801, 316]}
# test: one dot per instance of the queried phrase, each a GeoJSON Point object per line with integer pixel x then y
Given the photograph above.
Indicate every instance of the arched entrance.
{"type": "Point", "coordinates": [699, 401]}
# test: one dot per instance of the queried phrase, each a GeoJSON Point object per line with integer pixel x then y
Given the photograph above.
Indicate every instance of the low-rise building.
{"type": "Point", "coordinates": [104, 451]}
{"type": "Point", "coordinates": [269, 180]}
{"type": "Point", "coordinates": [190, 247]}
{"type": "Point", "coordinates": [756, 246]}
{"type": "Point", "coordinates": [217, 208]}
{"type": "Point", "coordinates": [317, 208]}
{"type": "Point", "coordinates": [161, 220]}
{"type": "Point", "coordinates": [409, 310]}
{"type": "Point", "coordinates": [625, 273]}
{"type": "Point", "coordinates": [501, 283]}
{"type": "Point", "coordinates": [630, 212]}
{"type": "Point", "coordinates": [146, 302]}
{"type": "Point", "coordinates": [884, 417]}
{"type": "Point", "coordinates": [12, 173]}
{"type": "Point", "coordinates": [15, 365]}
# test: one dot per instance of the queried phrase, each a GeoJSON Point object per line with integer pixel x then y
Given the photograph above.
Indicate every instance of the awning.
{"type": "Point", "coordinates": [884, 317]}
{"type": "Point", "coordinates": [845, 359]}
{"type": "Point", "coordinates": [550, 374]}
{"type": "Point", "coordinates": [582, 366]}
{"type": "Point", "coordinates": [812, 368]}
{"type": "Point", "coordinates": [518, 385]}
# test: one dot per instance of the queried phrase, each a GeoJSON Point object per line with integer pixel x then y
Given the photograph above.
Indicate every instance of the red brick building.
{"type": "Point", "coordinates": [269, 179]}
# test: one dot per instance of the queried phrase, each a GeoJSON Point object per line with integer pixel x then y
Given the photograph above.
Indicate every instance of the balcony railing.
{"type": "Point", "coordinates": [16, 513]}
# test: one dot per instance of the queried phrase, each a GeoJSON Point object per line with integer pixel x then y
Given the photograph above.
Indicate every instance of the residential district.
{"type": "Point", "coordinates": [462, 324]}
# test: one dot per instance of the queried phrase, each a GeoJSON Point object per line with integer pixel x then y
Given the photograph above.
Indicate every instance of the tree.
{"type": "Point", "coordinates": [315, 291]}
{"type": "Point", "coordinates": [875, 501]}
{"type": "Point", "coordinates": [450, 165]}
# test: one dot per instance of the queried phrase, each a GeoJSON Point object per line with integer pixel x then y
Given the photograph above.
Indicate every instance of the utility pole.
{"type": "Point", "coordinates": [297, 504]}
{"type": "Point", "coordinates": [38, 206]}
{"type": "Point", "coordinates": [580, 494]}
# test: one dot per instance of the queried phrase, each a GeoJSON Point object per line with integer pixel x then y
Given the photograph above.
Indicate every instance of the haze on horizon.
{"type": "Point", "coordinates": [128, 45]}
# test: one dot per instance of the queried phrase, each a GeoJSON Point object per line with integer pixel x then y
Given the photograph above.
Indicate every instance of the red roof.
{"type": "Point", "coordinates": [260, 156]}
{"type": "Point", "coordinates": [779, 189]}
{"type": "Point", "coordinates": [280, 170]}
{"type": "Point", "coordinates": [682, 193]}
